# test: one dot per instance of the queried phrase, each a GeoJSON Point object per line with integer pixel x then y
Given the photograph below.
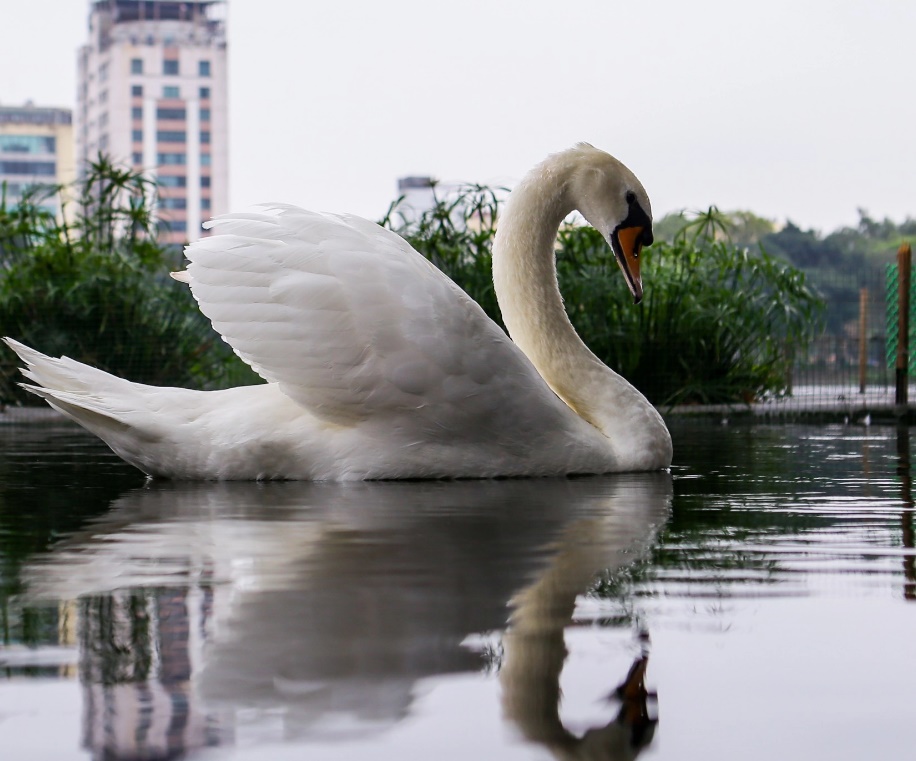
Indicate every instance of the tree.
{"type": "Point", "coordinates": [742, 228]}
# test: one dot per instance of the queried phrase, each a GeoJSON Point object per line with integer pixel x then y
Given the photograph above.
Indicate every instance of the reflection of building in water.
{"type": "Point", "coordinates": [138, 650]}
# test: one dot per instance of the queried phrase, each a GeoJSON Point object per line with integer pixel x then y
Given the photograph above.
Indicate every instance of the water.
{"type": "Point", "coordinates": [757, 603]}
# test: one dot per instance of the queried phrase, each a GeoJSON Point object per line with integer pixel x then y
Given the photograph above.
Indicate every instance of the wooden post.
{"type": "Point", "coordinates": [906, 494]}
{"type": "Point", "coordinates": [863, 338]}
{"type": "Point", "coordinates": [904, 265]}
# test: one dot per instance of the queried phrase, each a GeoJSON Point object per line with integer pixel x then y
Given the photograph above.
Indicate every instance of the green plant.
{"type": "Point", "coordinates": [97, 289]}
{"type": "Point", "coordinates": [718, 323]}
{"type": "Point", "coordinates": [455, 234]}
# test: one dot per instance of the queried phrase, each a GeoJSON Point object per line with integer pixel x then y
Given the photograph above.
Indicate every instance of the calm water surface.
{"type": "Point", "coordinates": [759, 602]}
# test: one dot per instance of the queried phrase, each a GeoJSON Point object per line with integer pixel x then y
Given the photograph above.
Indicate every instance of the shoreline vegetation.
{"type": "Point", "coordinates": [729, 300]}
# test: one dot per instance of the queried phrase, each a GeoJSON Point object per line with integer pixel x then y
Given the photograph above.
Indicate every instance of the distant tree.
{"type": "Point", "coordinates": [742, 228]}
{"type": "Point", "coordinates": [804, 248]}
{"type": "Point", "coordinates": [840, 263]}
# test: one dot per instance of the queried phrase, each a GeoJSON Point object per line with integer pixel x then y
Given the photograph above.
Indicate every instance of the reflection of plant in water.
{"type": "Point", "coordinates": [693, 556]}
{"type": "Point", "coordinates": [724, 519]}
{"type": "Point", "coordinates": [619, 586]}
{"type": "Point", "coordinates": [32, 519]}
{"type": "Point", "coordinates": [490, 648]}
{"type": "Point", "coordinates": [29, 625]}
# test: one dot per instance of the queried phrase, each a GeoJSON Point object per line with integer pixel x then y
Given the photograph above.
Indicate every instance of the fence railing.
{"type": "Point", "coordinates": [851, 367]}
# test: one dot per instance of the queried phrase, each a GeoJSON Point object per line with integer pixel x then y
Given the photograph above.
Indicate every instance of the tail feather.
{"type": "Point", "coordinates": [102, 424]}
{"type": "Point", "coordinates": [165, 431]}
{"type": "Point", "coordinates": [99, 401]}
{"type": "Point", "coordinates": [63, 373]}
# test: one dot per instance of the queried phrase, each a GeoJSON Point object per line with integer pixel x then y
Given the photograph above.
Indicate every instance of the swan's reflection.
{"type": "Point", "coordinates": [325, 604]}
{"type": "Point", "coordinates": [535, 651]}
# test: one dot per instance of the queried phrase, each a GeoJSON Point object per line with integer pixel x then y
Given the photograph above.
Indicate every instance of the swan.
{"type": "Point", "coordinates": [378, 366]}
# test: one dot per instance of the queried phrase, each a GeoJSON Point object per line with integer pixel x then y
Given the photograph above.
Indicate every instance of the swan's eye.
{"type": "Point", "coordinates": [631, 197]}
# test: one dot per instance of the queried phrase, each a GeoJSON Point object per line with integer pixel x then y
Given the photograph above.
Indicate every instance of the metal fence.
{"type": "Point", "coordinates": [848, 370]}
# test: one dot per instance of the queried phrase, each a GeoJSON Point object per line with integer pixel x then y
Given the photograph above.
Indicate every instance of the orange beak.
{"type": "Point", "coordinates": [627, 245]}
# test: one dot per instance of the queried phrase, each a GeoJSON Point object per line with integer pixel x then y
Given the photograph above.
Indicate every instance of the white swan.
{"type": "Point", "coordinates": [378, 365]}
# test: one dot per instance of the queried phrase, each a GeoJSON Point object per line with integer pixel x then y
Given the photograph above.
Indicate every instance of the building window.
{"type": "Point", "coordinates": [173, 114]}
{"type": "Point", "coordinates": [27, 144]}
{"type": "Point", "coordinates": [177, 226]}
{"type": "Point", "coordinates": [205, 204]}
{"type": "Point", "coordinates": [205, 181]}
{"type": "Point", "coordinates": [170, 66]}
{"type": "Point", "coordinates": [204, 137]}
{"type": "Point", "coordinates": [138, 158]}
{"type": "Point", "coordinates": [103, 97]}
{"type": "Point", "coordinates": [172, 181]}
{"type": "Point", "coordinates": [103, 142]}
{"type": "Point", "coordinates": [136, 112]}
{"type": "Point", "coordinates": [205, 159]}
{"type": "Point", "coordinates": [137, 135]}
{"type": "Point", "coordinates": [204, 93]}
{"type": "Point", "coordinates": [170, 91]}
{"type": "Point", "coordinates": [136, 90]}
{"type": "Point", "coordinates": [203, 68]}
{"type": "Point", "coordinates": [171, 136]}
{"type": "Point", "coordinates": [136, 65]}
{"type": "Point", "coordinates": [173, 203]}
{"type": "Point", "coordinates": [172, 159]}
{"type": "Point", "coordinates": [37, 168]}
{"type": "Point", "coordinates": [205, 114]}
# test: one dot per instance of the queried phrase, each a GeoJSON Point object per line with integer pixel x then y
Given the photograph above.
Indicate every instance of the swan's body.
{"type": "Point", "coordinates": [378, 365]}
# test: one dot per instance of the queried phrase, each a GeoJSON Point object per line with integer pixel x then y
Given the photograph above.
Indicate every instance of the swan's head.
{"type": "Point", "coordinates": [615, 203]}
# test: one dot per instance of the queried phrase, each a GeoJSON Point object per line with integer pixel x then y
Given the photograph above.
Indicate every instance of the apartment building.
{"type": "Point", "coordinates": [152, 94]}
{"type": "Point", "coordinates": [36, 148]}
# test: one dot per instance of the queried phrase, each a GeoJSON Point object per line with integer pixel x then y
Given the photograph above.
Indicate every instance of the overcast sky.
{"type": "Point", "coordinates": [803, 110]}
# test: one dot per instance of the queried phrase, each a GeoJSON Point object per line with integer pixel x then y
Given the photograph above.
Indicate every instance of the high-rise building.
{"type": "Point", "coordinates": [36, 148]}
{"type": "Point", "coordinates": [152, 94]}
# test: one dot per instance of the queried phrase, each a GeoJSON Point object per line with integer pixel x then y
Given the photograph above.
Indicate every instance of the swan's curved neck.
{"type": "Point", "coordinates": [525, 281]}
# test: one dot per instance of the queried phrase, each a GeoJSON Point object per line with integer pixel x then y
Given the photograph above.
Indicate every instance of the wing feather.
{"type": "Point", "coordinates": [350, 320]}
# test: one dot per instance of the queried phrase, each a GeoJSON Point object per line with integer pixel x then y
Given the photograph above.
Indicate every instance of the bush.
{"type": "Point", "coordinates": [456, 235]}
{"type": "Point", "coordinates": [718, 323]}
{"type": "Point", "coordinates": [97, 289]}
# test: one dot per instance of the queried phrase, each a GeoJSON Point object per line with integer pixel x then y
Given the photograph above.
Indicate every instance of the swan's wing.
{"type": "Point", "coordinates": [352, 322]}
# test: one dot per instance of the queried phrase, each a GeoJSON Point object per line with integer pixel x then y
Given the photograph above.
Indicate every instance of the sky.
{"type": "Point", "coordinates": [800, 110]}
